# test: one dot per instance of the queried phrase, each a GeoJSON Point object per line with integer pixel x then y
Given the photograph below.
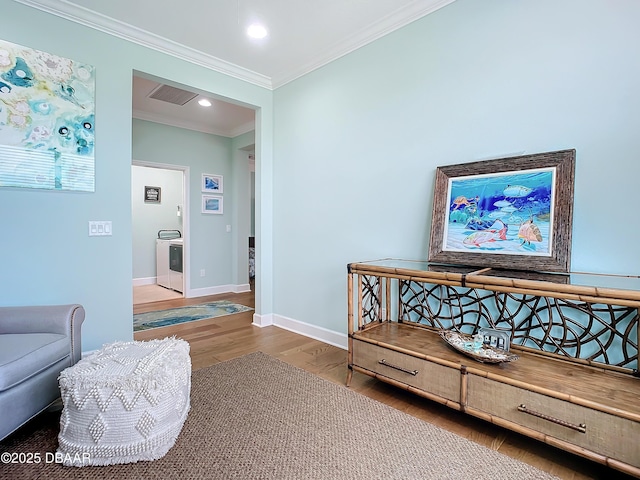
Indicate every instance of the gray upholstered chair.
{"type": "Point", "coordinates": [36, 344]}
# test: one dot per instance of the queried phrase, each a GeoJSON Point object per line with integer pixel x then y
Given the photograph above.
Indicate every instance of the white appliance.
{"type": "Point", "coordinates": [169, 261]}
{"type": "Point", "coordinates": [175, 265]}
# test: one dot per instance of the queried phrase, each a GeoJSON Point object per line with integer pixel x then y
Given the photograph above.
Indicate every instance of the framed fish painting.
{"type": "Point", "coordinates": [514, 213]}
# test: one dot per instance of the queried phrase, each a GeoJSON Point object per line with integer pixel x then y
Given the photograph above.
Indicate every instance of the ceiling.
{"type": "Point", "coordinates": [303, 35]}
{"type": "Point", "coordinates": [221, 118]}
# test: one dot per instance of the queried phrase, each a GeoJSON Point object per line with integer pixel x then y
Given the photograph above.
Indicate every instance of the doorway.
{"type": "Point", "coordinates": [159, 226]}
{"type": "Point", "coordinates": [171, 124]}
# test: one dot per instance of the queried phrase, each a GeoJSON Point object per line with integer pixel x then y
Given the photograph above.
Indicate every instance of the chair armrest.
{"type": "Point", "coordinates": [60, 319]}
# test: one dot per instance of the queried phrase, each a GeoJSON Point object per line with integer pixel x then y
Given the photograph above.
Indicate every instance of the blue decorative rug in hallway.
{"type": "Point", "coordinates": [173, 316]}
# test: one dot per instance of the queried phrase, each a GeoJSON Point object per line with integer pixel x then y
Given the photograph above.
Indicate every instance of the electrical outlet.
{"type": "Point", "coordinates": [202, 272]}
{"type": "Point", "coordinates": [228, 228]}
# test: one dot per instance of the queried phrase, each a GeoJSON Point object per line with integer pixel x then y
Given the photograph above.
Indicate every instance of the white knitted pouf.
{"type": "Point", "coordinates": [125, 403]}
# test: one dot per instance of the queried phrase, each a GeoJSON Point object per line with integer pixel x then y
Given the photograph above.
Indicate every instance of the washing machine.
{"type": "Point", "coordinates": [169, 259]}
{"type": "Point", "coordinates": [175, 265]}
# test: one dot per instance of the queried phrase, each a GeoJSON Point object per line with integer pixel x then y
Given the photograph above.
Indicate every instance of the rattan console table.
{"type": "Point", "coordinates": [575, 384]}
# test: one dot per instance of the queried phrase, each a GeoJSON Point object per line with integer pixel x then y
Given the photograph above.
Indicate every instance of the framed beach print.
{"type": "Point", "coordinates": [211, 183]}
{"type": "Point", "coordinates": [212, 204]}
{"type": "Point", "coordinates": [514, 213]}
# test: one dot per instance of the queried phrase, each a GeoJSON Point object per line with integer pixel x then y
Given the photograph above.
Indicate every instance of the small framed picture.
{"type": "Point", "coordinates": [212, 204]}
{"type": "Point", "coordinates": [211, 183]}
{"type": "Point", "coordinates": [496, 338]}
{"type": "Point", "coordinates": [152, 194]}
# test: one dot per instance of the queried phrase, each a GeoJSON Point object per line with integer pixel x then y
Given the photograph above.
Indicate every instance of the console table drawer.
{"type": "Point", "coordinates": [605, 434]}
{"type": "Point", "coordinates": [422, 374]}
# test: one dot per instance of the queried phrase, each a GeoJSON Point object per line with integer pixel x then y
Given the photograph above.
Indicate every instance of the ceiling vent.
{"type": "Point", "coordinates": [173, 95]}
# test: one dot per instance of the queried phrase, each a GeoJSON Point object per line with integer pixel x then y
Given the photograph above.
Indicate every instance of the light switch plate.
{"type": "Point", "coordinates": [100, 228]}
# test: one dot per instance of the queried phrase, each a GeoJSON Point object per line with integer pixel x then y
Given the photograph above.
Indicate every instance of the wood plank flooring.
{"type": "Point", "coordinates": [153, 293]}
{"type": "Point", "coordinates": [223, 338]}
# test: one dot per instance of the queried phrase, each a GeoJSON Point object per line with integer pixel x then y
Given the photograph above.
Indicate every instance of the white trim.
{"type": "Point", "coordinates": [262, 320]}
{"type": "Point", "coordinates": [196, 126]}
{"type": "Point", "coordinates": [242, 288]}
{"type": "Point", "coordinates": [84, 16]}
{"type": "Point", "coordinates": [199, 292]}
{"type": "Point", "coordinates": [325, 335]}
{"type": "Point", "coordinates": [203, 292]}
{"type": "Point", "coordinates": [138, 282]}
{"type": "Point", "coordinates": [79, 14]}
{"type": "Point", "coordinates": [186, 175]}
{"type": "Point", "coordinates": [394, 21]}
{"type": "Point", "coordinates": [244, 128]}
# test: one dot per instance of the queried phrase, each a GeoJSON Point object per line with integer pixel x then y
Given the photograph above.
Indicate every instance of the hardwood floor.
{"type": "Point", "coordinates": [223, 338]}
{"type": "Point", "coordinates": [153, 293]}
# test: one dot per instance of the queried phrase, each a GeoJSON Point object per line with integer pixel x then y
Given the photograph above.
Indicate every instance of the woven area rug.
{"type": "Point", "coordinates": [256, 417]}
{"type": "Point", "coordinates": [172, 316]}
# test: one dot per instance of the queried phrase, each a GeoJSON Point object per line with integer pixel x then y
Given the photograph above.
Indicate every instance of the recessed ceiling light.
{"type": "Point", "coordinates": [204, 102]}
{"type": "Point", "coordinates": [257, 31]}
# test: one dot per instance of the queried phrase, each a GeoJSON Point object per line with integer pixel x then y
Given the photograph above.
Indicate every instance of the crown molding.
{"type": "Point", "coordinates": [195, 126]}
{"type": "Point", "coordinates": [394, 21]}
{"type": "Point", "coordinates": [242, 129]}
{"type": "Point", "coordinates": [78, 14]}
{"type": "Point", "coordinates": [91, 19]}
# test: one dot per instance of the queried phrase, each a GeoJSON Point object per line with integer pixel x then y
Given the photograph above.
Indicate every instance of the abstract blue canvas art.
{"type": "Point", "coordinates": [47, 120]}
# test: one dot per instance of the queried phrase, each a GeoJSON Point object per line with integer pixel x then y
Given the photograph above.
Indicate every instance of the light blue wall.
{"type": "Point", "coordinates": [357, 141]}
{"type": "Point", "coordinates": [49, 257]}
{"type": "Point", "coordinates": [148, 218]}
{"type": "Point", "coordinates": [243, 206]}
{"type": "Point", "coordinates": [356, 144]}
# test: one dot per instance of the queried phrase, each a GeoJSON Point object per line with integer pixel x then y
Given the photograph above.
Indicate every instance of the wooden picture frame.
{"type": "Point", "coordinates": [512, 213]}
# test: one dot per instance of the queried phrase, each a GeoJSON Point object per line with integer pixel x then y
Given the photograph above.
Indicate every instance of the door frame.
{"type": "Point", "coordinates": [185, 217]}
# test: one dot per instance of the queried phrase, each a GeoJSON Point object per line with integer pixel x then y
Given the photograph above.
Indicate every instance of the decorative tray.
{"type": "Point", "coordinates": [485, 354]}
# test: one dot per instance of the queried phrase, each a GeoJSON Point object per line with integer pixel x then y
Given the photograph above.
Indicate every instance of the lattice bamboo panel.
{"type": "Point", "coordinates": [598, 333]}
{"type": "Point", "coordinates": [371, 298]}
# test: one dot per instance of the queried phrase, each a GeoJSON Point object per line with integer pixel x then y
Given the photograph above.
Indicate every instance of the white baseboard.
{"type": "Point", "coordinates": [262, 320]}
{"type": "Point", "coordinates": [203, 292]}
{"type": "Point", "coordinates": [242, 288]}
{"type": "Point", "coordinates": [199, 292]}
{"type": "Point", "coordinates": [325, 335]}
{"type": "Point", "coordinates": [138, 282]}
{"type": "Point", "coordinates": [322, 334]}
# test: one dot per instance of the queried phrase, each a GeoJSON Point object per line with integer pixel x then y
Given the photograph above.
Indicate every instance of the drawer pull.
{"type": "Point", "coordinates": [386, 364]}
{"type": "Point", "coordinates": [582, 428]}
